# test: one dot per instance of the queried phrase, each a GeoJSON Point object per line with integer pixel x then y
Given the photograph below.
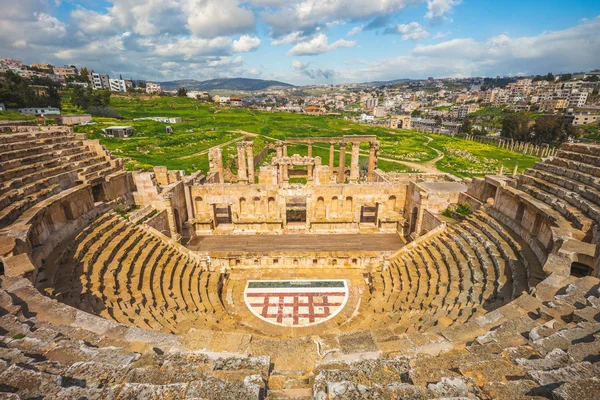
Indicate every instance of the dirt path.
{"type": "Point", "coordinates": [237, 139]}
{"type": "Point", "coordinates": [427, 166]}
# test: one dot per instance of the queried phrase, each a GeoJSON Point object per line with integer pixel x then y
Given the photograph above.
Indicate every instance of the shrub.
{"type": "Point", "coordinates": [100, 111]}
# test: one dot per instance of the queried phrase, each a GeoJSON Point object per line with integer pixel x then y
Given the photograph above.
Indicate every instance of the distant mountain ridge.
{"type": "Point", "coordinates": [388, 83]}
{"type": "Point", "coordinates": [245, 84]}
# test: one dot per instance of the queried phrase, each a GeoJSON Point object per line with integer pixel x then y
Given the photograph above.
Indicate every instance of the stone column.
{"type": "Point", "coordinates": [285, 165]}
{"type": "Point", "coordinates": [242, 172]}
{"type": "Point", "coordinates": [373, 155]}
{"type": "Point", "coordinates": [331, 156]}
{"type": "Point", "coordinates": [310, 166]}
{"type": "Point", "coordinates": [250, 162]}
{"type": "Point", "coordinates": [342, 163]}
{"type": "Point", "coordinates": [279, 153]}
{"type": "Point", "coordinates": [354, 173]}
{"type": "Point", "coordinates": [215, 159]}
{"type": "Point", "coordinates": [285, 149]}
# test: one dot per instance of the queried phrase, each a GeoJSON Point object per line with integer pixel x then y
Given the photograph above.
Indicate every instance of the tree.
{"type": "Point", "coordinates": [553, 129]}
{"type": "Point", "coordinates": [84, 98]}
{"type": "Point", "coordinates": [467, 126]}
{"type": "Point", "coordinates": [17, 92]}
{"type": "Point", "coordinates": [182, 92]}
{"type": "Point", "coordinates": [566, 77]}
{"type": "Point", "coordinates": [550, 77]}
{"type": "Point", "coordinates": [516, 126]}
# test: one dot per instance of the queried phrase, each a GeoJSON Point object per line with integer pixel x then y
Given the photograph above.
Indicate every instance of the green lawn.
{"type": "Point", "coordinates": [207, 125]}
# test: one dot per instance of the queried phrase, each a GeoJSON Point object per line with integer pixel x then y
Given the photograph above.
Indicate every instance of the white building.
{"type": "Point", "coordinates": [366, 118]}
{"type": "Point", "coordinates": [577, 98]}
{"type": "Point", "coordinates": [379, 112]}
{"type": "Point", "coordinates": [40, 111]}
{"type": "Point", "coordinates": [152, 87]}
{"type": "Point", "coordinates": [117, 85]}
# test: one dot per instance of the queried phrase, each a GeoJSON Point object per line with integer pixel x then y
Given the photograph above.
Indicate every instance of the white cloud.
{"type": "Point", "coordinates": [412, 31]}
{"type": "Point", "coordinates": [209, 18]}
{"type": "Point", "coordinates": [246, 43]}
{"type": "Point", "coordinates": [355, 31]}
{"type": "Point", "coordinates": [308, 14]}
{"type": "Point", "coordinates": [441, 35]}
{"type": "Point", "coordinates": [292, 37]}
{"type": "Point", "coordinates": [573, 49]}
{"type": "Point", "coordinates": [437, 9]}
{"type": "Point", "coordinates": [318, 45]}
{"type": "Point", "coordinates": [313, 73]}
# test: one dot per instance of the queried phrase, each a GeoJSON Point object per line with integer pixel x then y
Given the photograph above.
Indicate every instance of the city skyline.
{"type": "Point", "coordinates": [305, 42]}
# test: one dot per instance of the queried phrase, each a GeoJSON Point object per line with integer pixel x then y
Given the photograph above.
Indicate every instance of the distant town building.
{"type": "Point", "coordinates": [67, 70]}
{"type": "Point", "coordinates": [313, 110]}
{"type": "Point", "coordinates": [195, 94]}
{"type": "Point", "coordinates": [221, 99]}
{"type": "Point", "coordinates": [366, 118]}
{"type": "Point", "coordinates": [552, 106]}
{"type": "Point", "coordinates": [118, 131]}
{"type": "Point", "coordinates": [585, 118]}
{"type": "Point", "coordinates": [235, 102]}
{"type": "Point", "coordinates": [40, 111]}
{"type": "Point", "coordinates": [379, 112]}
{"type": "Point", "coordinates": [170, 120]}
{"type": "Point", "coordinates": [153, 88]}
{"type": "Point", "coordinates": [117, 85]}
{"type": "Point", "coordinates": [371, 102]}
{"type": "Point", "coordinates": [42, 67]}
{"type": "Point", "coordinates": [100, 81]}
{"type": "Point", "coordinates": [466, 109]}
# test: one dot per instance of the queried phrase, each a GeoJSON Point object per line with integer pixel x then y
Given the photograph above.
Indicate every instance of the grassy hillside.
{"type": "Point", "coordinates": [204, 126]}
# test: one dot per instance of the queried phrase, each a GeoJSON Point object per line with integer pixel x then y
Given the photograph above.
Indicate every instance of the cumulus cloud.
{"type": "Point", "coordinates": [291, 37]}
{"type": "Point", "coordinates": [209, 18]}
{"type": "Point", "coordinates": [308, 14]}
{"type": "Point", "coordinates": [355, 31]}
{"type": "Point", "coordinates": [313, 73]}
{"type": "Point", "coordinates": [412, 31]}
{"type": "Point", "coordinates": [246, 43]}
{"type": "Point", "coordinates": [318, 45]}
{"type": "Point", "coordinates": [572, 49]}
{"type": "Point", "coordinates": [437, 9]}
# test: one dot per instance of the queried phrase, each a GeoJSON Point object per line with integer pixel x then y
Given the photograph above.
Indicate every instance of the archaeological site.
{"type": "Point", "coordinates": [245, 284]}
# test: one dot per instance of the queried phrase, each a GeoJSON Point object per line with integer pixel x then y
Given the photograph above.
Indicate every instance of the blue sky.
{"type": "Point", "coordinates": [305, 41]}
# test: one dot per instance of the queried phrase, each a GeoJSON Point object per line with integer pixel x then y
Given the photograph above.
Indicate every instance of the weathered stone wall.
{"type": "Point", "coordinates": [160, 222]}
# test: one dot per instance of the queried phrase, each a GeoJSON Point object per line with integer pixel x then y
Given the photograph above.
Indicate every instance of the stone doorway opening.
{"type": "Point", "coordinates": [368, 214]}
{"type": "Point", "coordinates": [222, 214]}
{"type": "Point", "coordinates": [295, 211]}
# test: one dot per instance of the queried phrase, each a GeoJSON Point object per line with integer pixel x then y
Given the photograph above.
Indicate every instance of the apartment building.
{"type": "Point", "coordinates": [100, 81]}
{"type": "Point", "coordinates": [585, 118]}
{"type": "Point", "coordinates": [577, 98]}
{"type": "Point", "coordinates": [153, 88]}
{"type": "Point", "coordinates": [117, 85]}
{"type": "Point", "coordinates": [554, 105]}
{"type": "Point", "coordinates": [67, 70]}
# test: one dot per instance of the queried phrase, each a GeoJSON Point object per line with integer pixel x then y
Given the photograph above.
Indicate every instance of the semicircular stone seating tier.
{"type": "Point", "coordinates": [118, 312]}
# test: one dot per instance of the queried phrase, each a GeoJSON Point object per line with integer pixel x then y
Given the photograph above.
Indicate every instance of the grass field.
{"type": "Point", "coordinates": [206, 125]}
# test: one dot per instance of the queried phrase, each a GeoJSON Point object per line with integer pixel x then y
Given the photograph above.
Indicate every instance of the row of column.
{"type": "Point", "coordinates": [246, 161]}
{"type": "Point", "coordinates": [354, 162]}
{"type": "Point", "coordinates": [525, 148]}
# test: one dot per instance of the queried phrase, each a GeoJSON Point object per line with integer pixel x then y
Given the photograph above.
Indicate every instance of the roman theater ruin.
{"type": "Point", "coordinates": [246, 284]}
